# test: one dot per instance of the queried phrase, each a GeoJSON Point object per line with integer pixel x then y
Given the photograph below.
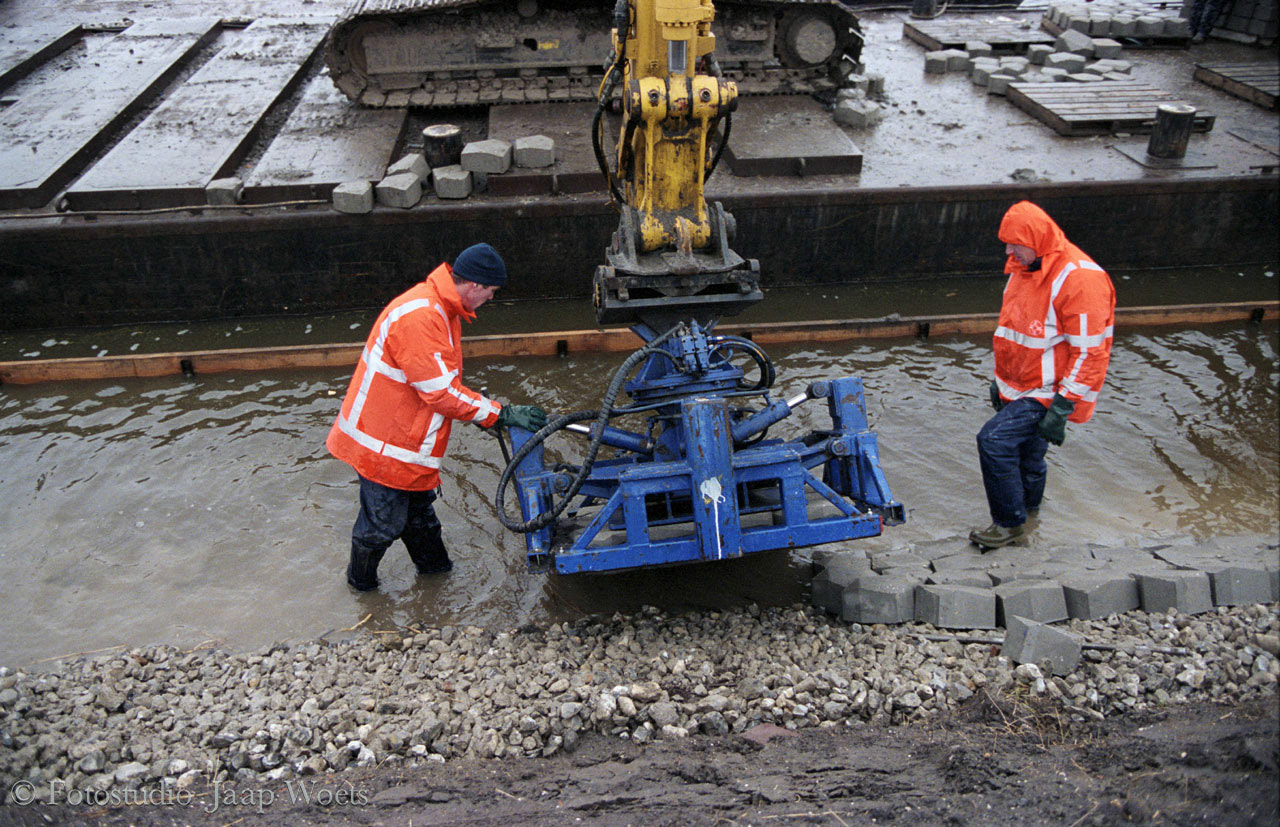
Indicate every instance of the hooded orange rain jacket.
{"type": "Point", "coordinates": [1056, 323]}
{"type": "Point", "coordinates": [407, 390]}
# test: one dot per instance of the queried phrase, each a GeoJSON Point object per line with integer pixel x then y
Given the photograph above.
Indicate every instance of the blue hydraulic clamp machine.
{"type": "Point", "coordinates": [703, 480]}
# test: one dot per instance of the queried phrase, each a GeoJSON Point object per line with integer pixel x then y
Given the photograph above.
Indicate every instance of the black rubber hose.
{"type": "Point", "coordinates": [621, 22]}
{"type": "Point", "coordinates": [601, 418]}
{"type": "Point", "coordinates": [762, 360]}
{"type": "Point", "coordinates": [724, 142]}
{"type": "Point", "coordinates": [599, 151]}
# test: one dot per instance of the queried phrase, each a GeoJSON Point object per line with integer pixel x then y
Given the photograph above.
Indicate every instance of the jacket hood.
{"type": "Point", "coordinates": [442, 278]}
{"type": "Point", "coordinates": [1028, 225]}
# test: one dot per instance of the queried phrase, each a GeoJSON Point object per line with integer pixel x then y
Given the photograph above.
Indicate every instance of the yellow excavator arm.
{"type": "Point", "coordinates": [671, 110]}
{"type": "Point", "coordinates": [670, 254]}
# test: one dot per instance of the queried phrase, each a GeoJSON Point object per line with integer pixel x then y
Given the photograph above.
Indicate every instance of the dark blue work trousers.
{"type": "Point", "coordinates": [389, 514]}
{"type": "Point", "coordinates": [1012, 456]}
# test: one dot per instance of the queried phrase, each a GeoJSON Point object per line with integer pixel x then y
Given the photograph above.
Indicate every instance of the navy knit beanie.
{"type": "Point", "coordinates": [482, 264]}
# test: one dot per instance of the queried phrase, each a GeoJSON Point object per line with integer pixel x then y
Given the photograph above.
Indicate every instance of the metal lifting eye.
{"type": "Point", "coordinates": [706, 95]}
{"type": "Point", "coordinates": [653, 96]}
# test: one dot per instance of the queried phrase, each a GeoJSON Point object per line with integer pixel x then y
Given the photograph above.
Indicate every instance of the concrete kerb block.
{"type": "Point", "coordinates": [880, 599]}
{"type": "Point", "coordinates": [451, 181]}
{"type": "Point", "coordinates": [959, 577]}
{"type": "Point", "coordinates": [957, 59]}
{"type": "Point", "coordinates": [1037, 52]}
{"type": "Point", "coordinates": [533, 152]}
{"type": "Point", "coordinates": [1176, 27]}
{"type": "Point", "coordinates": [875, 84]}
{"type": "Point", "coordinates": [1105, 47]}
{"type": "Point", "coordinates": [935, 63]}
{"type": "Point", "coordinates": [1235, 585]}
{"type": "Point", "coordinates": [1095, 596]}
{"type": "Point", "coordinates": [1055, 75]}
{"type": "Point", "coordinates": [403, 190]}
{"type": "Point", "coordinates": [1074, 42]}
{"type": "Point", "coordinates": [998, 84]}
{"type": "Point", "coordinates": [490, 156]}
{"type": "Point", "coordinates": [840, 574]}
{"type": "Point", "coordinates": [956, 607]}
{"type": "Point", "coordinates": [978, 48]}
{"type": "Point", "coordinates": [1040, 600]}
{"type": "Point", "coordinates": [826, 554]}
{"type": "Point", "coordinates": [1148, 26]}
{"type": "Point", "coordinates": [982, 72]}
{"type": "Point", "coordinates": [355, 197]}
{"type": "Point", "coordinates": [1084, 77]}
{"type": "Point", "coordinates": [414, 163]}
{"type": "Point", "coordinates": [1014, 65]}
{"type": "Point", "coordinates": [962, 560]}
{"type": "Point", "coordinates": [1066, 61]}
{"type": "Point", "coordinates": [857, 82]}
{"type": "Point", "coordinates": [224, 191]}
{"type": "Point", "coordinates": [889, 559]}
{"type": "Point", "coordinates": [858, 113]}
{"type": "Point", "coordinates": [1187, 591]}
{"type": "Point", "coordinates": [1123, 25]}
{"type": "Point", "coordinates": [933, 549]}
{"type": "Point", "coordinates": [1028, 641]}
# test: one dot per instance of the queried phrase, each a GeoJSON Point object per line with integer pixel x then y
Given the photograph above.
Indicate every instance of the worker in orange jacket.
{"type": "Point", "coordinates": [1052, 345]}
{"type": "Point", "coordinates": [406, 392]}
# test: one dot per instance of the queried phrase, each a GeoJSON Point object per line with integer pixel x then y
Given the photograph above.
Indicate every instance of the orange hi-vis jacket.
{"type": "Point", "coordinates": [407, 390]}
{"type": "Point", "coordinates": [1056, 323]}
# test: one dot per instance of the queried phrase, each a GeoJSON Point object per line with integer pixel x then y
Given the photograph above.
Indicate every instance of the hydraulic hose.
{"type": "Point", "coordinates": [757, 354]}
{"type": "Point", "coordinates": [621, 18]}
{"type": "Point", "coordinates": [601, 418]}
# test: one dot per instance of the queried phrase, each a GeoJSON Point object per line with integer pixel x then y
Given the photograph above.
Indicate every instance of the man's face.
{"type": "Point", "coordinates": [1026, 255]}
{"type": "Point", "coordinates": [473, 295]}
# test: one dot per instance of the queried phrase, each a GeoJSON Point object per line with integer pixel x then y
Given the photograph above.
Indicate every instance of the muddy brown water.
{"type": "Point", "coordinates": [202, 510]}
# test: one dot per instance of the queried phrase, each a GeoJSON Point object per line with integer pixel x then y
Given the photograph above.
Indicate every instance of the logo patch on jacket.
{"type": "Point", "coordinates": [1037, 328]}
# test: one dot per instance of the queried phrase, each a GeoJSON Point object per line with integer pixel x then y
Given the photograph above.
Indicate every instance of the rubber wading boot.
{"type": "Point", "coordinates": [362, 571]}
{"type": "Point", "coordinates": [429, 554]}
{"type": "Point", "coordinates": [997, 536]}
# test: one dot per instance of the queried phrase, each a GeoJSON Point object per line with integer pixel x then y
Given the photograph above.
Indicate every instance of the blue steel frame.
{"type": "Point", "coordinates": [692, 476]}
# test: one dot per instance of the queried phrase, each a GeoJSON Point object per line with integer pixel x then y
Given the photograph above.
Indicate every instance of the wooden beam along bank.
{"type": "Point", "coordinates": [559, 343]}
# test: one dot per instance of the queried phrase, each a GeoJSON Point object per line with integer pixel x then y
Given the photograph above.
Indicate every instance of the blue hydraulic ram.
{"type": "Point", "coordinates": [702, 481]}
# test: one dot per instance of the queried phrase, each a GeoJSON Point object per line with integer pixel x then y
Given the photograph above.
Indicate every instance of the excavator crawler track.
{"type": "Point", "coordinates": [449, 53]}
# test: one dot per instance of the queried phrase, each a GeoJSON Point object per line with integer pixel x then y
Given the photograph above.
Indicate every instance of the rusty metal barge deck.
{"type": "Point", "coordinates": [115, 117]}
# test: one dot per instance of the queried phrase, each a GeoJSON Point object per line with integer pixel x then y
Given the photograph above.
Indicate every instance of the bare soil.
{"type": "Point", "coordinates": [1005, 761]}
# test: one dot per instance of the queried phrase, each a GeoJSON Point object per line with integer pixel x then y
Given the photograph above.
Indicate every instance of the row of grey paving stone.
{"type": "Point", "coordinates": [952, 585]}
{"type": "Point", "coordinates": [1119, 18]}
{"type": "Point", "coordinates": [1073, 57]}
{"type": "Point", "coordinates": [406, 179]}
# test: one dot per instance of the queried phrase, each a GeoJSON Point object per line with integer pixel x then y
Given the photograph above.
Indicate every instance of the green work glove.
{"type": "Point", "coordinates": [529, 417]}
{"type": "Point", "coordinates": [996, 401]}
{"type": "Point", "coordinates": [1054, 425]}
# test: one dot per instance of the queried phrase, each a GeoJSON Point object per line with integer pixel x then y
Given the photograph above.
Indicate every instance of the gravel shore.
{"type": "Point", "coordinates": [158, 716]}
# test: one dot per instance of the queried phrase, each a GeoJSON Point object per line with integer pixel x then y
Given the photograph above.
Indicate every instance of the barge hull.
{"type": "Point", "coordinates": [78, 270]}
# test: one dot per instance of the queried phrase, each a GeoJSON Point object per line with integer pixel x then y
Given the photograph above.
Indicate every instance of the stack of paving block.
{"type": "Point", "coordinates": [950, 584]}
{"type": "Point", "coordinates": [856, 102]}
{"type": "Point", "coordinates": [1073, 57]}
{"type": "Point", "coordinates": [403, 184]}
{"type": "Point", "coordinates": [1138, 19]}
{"type": "Point", "coordinates": [1248, 21]}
